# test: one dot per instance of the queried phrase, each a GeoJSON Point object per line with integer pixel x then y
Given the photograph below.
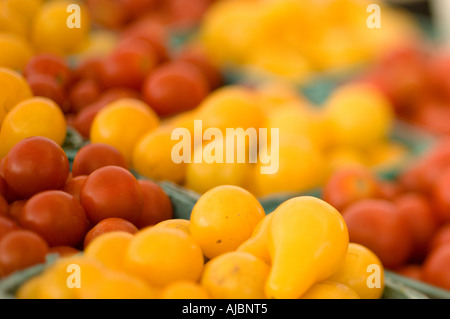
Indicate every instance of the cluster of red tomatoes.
{"type": "Point", "coordinates": [405, 221]}
{"type": "Point", "coordinates": [46, 206]}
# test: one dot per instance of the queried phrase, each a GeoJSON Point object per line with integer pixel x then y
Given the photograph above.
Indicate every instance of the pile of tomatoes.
{"type": "Point", "coordinates": [47, 207]}
{"type": "Point", "coordinates": [405, 221]}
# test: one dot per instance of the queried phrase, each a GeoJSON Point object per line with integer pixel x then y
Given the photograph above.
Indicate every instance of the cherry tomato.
{"type": "Point", "coordinates": [135, 8]}
{"type": "Point", "coordinates": [83, 120]}
{"type": "Point", "coordinates": [88, 69]}
{"type": "Point", "coordinates": [74, 185]}
{"type": "Point", "coordinates": [413, 271]}
{"type": "Point", "coordinates": [49, 64]}
{"type": "Point", "coordinates": [94, 156]}
{"type": "Point", "coordinates": [46, 86]}
{"type": "Point", "coordinates": [4, 207]}
{"type": "Point", "coordinates": [440, 237]}
{"type": "Point", "coordinates": [348, 185]}
{"type": "Point", "coordinates": [7, 225]}
{"type": "Point", "coordinates": [435, 267]}
{"type": "Point", "coordinates": [21, 249]}
{"type": "Point", "coordinates": [388, 189]}
{"type": "Point", "coordinates": [63, 251]}
{"type": "Point", "coordinates": [187, 14]}
{"type": "Point", "coordinates": [111, 191]}
{"type": "Point", "coordinates": [36, 164]}
{"type": "Point", "coordinates": [82, 94]}
{"type": "Point", "coordinates": [3, 186]}
{"type": "Point", "coordinates": [441, 195]}
{"type": "Point", "coordinates": [57, 216]}
{"type": "Point", "coordinates": [175, 87]}
{"type": "Point", "coordinates": [376, 224]}
{"type": "Point", "coordinates": [418, 215]}
{"type": "Point", "coordinates": [107, 13]}
{"type": "Point", "coordinates": [109, 225]}
{"type": "Point", "coordinates": [15, 209]}
{"type": "Point", "coordinates": [157, 206]}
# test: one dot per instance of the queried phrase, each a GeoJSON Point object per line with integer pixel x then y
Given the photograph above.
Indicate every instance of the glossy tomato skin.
{"type": "Point", "coordinates": [111, 191]}
{"type": "Point", "coordinates": [56, 216]}
{"type": "Point", "coordinates": [348, 185]}
{"type": "Point", "coordinates": [7, 225]}
{"type": "Point", "coordinates": [175, 87]}
{"type": "Point", "coordinates": [418, 215]}
{"type": "Point", "coordinates": [436, 270]}
{"type": "Point", "coordinates": [15, 209]}
{"type": "Point", "coordinates": [94, 156]}
{"type": "Point", "coordinates": [21, 249]}
{"type": "Point", "coordinates": [376, 224]}
{"type": "Point", "coordinates": [82, 94]}
{"type": "Point", "coordinates": [36, 164]}
{"type": "Point", "coordinates": [157, 205]}
{"type": "Point", "coordinates": [74, 185]}
{"type": "Point", "coordinates": [109, 225]}
{"type": "Point", "coordinates": [82, 121]}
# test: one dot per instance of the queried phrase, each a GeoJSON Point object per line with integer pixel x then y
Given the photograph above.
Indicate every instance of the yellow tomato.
{"type": "Point", "coordinates": [55, 30]}
{"type": "Point", "coordinates": [15, 51]}
{"type": "Point", "coordinates": [37, 116]}
{"type": "Point", "coordinates": [362, 271]}
{"type": "Point", "coordinates": [161, 255]}
{"type": "Point", "coordinates": [13, 89]}
{"type": "Point", "coordinates": [223, 218]}
{"type": "Point", "coordinates": [184, 290]}
{"type": "Point", "coordinates": [12, 21]}
{"type": "Point", "coordinates": [182, 224]}
{"type": "Point", "coordinates": [122, 123]}
{"type": "Point", "coordinates": [330, 290]}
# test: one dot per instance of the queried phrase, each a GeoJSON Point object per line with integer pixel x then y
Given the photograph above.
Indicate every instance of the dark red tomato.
{"type": "Point", "coordinates": [57, 216]}
{"type": "Point", "coordinates": [198, 58]}
{"type": "Point", "coordinates": [441, 196]}
{"type": "Point", "coordinates": [413, 271]}
{"type": "Point", "coordinates": [21, 249]}
{"type": "Point", "coordinates": [82, 94]}
{"type": "Point", "coordinates": [82, 122]}
{"type": "Point", "coordinates": [376, 224]}
{"type": "Point", "coordinates": [418, 215]}
{"type": "Point", "coordinates": [3, 186]}
{"type": "Point", "coordinates": [94, 156]}
{"type": "Point", "coordinates": [157, 205]}
{"type": "Point", "coordinates": [36, 164]}
{"type": "Point", "coordinates": [4, 207]}
{"type": "Point", "coordinates": [15, 209]}
{"type": "Point", "coordinates": [348, 185]}
{"type": "Point", "coordinates": [88, 69]}
{"type": "Point", "coordinates": [47, 86]}
{"type": "Point", "coordinates": [7, 225]}
{"type": "Point", "coordinates": [109, 225]}
{"type": "Point", "coordinates": [175, 87]}
{"type": "Point", "coordinates": [152, 32]}
{"type": "Point", "coordinates": [436, 270]}
{"type": "Point", "coordinates": [49, 64]}
{"type": "Point", "coordinates": [111, 191]}
{"type": "Point", "coordinates": [128, 65]}
{"type": "Point", "coordinates": [440, 237]}
{"type": "Point", "coordinates": [74, 185]}
{"type": "Point", "coordinates": [64, 251]}
{"type": "Point", "coordinates": [117, 93]}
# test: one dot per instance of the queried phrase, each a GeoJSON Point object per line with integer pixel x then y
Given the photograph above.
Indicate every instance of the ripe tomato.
{"type": "Point", "coordinates": [157, 206]}
{"type": "Point", "coordinates": [15, 209]}
{"type": "Point", "coordinates": [109, 225]}
{"type": "Point", "coordinates": [46, 86]}
{"type": "Point", "coordinates": [82, 94]}
{"type": "Point", "coordinates": [63, 251]}
{"type": "Point", "coordinates": [51, 65]}
{"type": "Point", "coordinates": [3, 185]}
{"type": "Point", "coordinates": [74, 185]}
{"type": "Point", "coordinates": [435, 267]}
{"type": "Point", "coordinates": [348, 185]}
{"type": "Point", "coordinates": [7, 225]}
{"type": "Point", "coordinates": [175, 87]}
{"type": "Point", "coordinates": [413, 271]}
{"type": "Point", "coordinates": [111, 191]}
{"type": "Point", "coordinates": [440, 237]}
{"type": "Point", "coordinates": [388, 189]}
{"type": "Point", "coordinates": [36, 164]}
{"type": "Point", "coordinates": [82, 122]}
{"type": "Point", "coordinates": [4, 207]}
{"type": "Point", "coordinates": [21, 249]}
{"type": "Point", "coordinates": [441, 195]}
{"type": "Point", "coordinates": [106, 13]}
{"type": "Point", "coordinates": [376, 224]}
{"type": "Point", "coordinates": [57, 216]}
{"type": "Point", "coordinates": [135, 8]}
{"type": "Point", "coordinates": [94, 156]}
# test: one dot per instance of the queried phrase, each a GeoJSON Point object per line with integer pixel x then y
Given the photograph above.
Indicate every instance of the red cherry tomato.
{"type": "Point", "coordinates": [36, 164]}
{"type": "Point", "coordinates": [64, 251]}
{"type": "Point", "coordinates": [348, 185]}
{"type": "Point", "coordinates": [157, 206]}
{"type": "Point", "coordinates": [376, 224]}
{"type": "Point", "coordinates": [436, 270]}
{"type": "Point", "coordinates": [389, 189]}
{"type": "Point", "coordinates": [175, 87]}
{"type": "Point", "coordinates": [94, 156]}
{"type": "Point", "coordinates": [4, 207]}
{"type": "Point", "coordinates": [82, 94]}
{"type": "Point", "coordinates": [15, 209]}
{"type": "Point", "coordinates": [88, 69]}
{"type": "Point", "coordinates": [413, 271]}
{"type": "Point", "coordinates": [82, 122]}
{"type": "Point", "coordinates": [7, 225]}
{"type": "Point", "coordinates": [135, 8]}
{"type": "Point", "coordinates": [46, 86]}
{"type": "Point", "coordinates": [3, 186]}
{"type": "Point", "coordinates": [441, 196]}
{"type": "Point", "coordinates": [57, 216]}
{"type": "Point", "coordinates": [21, 249]}
{"type": "Point", "coordinates": [109, 225]}
{"type": "Point", "coordinates": [418, 215]}
{"type": "Point", "coordinates": [107, 13]}
{"type": "Point", "coordinates": [49, 64]}
{"type": "Point", "coordinates": [111, 191]}
{"type": "Point", "coordinates": [74, 185]}
{"type": "Point", "coordinates": [440, 237]}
